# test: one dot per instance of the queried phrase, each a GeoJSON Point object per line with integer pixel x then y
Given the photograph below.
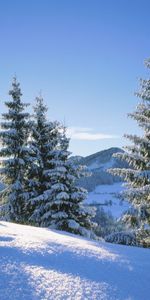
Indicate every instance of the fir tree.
{"type": "Point", "coordinates": [56, 201]}
{"type": "Point", "coordinates": [138, 157]}
{"type": "Point", "coordinates": [43, 142]}
{"type": "Point", "coordinates": [14, 155]}
{"type": "Point", "coordinates": [64, 209]}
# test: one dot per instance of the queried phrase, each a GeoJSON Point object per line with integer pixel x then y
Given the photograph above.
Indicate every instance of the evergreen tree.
{"type": "Point", "coordinates": [56, 201]}
{"type": "Point", "coordinates": [64, 209]}
{"type": "Point", "coordinates": [43, 142]}
{"type": "Point", "coordinates": [14, 155]}
{"type": "Point", "coordinates": [138, 157]}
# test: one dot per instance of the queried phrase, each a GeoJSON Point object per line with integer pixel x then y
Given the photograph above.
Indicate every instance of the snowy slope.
{"type": "Point", "coordinates": [98, 164]}
{"type": "Point", "coordinates": [105, 196]}
{"type": "Point", "coordinates": [38, 263]}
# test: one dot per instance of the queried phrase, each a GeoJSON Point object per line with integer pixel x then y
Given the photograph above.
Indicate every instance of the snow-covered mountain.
{"type": "Point", "coordinates": [98, 164]}
{"type": "Point", "coordinates": [103, 159]}
{"type": "Point", "coordinates": [43, 264]}
{"type": "Point", "coordinates": [102, 187]}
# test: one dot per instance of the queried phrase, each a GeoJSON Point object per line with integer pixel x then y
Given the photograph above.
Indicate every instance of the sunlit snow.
{"type": "Point", "coordinates": [106, 196]}
{"type": "Point", "coordinates": [38, 263]}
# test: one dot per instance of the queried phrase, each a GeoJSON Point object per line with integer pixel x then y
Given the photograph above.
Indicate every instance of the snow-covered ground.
{"type": "Point", "coordinates": [106, 196]}
{"type": "Point", "coordinates": [38, 263]}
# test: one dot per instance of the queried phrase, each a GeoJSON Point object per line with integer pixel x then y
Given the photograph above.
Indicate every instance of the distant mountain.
{"type": "Point", "coordinates": [103, 159]}
{"type": "Point", "coordinates": [97, 164]}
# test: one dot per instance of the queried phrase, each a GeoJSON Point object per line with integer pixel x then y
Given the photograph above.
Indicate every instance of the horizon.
{"type": "Point", "coordinates": [86, 58]}
{"type": "Point", "coordinates": [107, 149]}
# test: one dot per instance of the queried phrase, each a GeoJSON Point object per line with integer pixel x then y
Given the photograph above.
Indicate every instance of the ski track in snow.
{"type": "Point", "coordinates": [43, 264]}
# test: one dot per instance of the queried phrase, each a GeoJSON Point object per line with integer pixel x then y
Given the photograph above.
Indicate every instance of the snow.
{"type": "Point", "coordinates": [62, 195]}
{"type": "Point", "coordinates": [73, 224]}
{"type": "Point", "coordinates": [39, 263]}
{"type": "Point", "coordinates": [106, 196]}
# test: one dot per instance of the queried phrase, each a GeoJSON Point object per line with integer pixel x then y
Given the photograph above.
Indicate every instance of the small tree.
{"type": "Point", "coordinates": [14, 155]}
{"type": "Point", "coordinates": [138, 157]}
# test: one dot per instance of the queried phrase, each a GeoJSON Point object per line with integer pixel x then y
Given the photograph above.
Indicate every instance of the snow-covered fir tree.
{"type": "Point", "coordinates": [64, 209]}
{"type": "Point", "coordinates": [56, 201]}
{"type": "Point", "coordinates": [14, 155]}
{"type": "Point", "coordinates": [44, 138]}
{"type": "Point", "coordinates": [138, 157]}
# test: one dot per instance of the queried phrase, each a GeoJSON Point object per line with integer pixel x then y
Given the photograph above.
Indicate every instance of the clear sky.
{"type": "Point", "coordinates": [85, 56]}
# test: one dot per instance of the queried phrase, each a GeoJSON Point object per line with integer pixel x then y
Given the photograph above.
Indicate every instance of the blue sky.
{"type": "Point", "coordinates": [85, 56]}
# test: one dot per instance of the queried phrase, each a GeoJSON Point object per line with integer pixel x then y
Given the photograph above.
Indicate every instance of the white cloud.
{"type": "Point", "coordinates": [87, 134]}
